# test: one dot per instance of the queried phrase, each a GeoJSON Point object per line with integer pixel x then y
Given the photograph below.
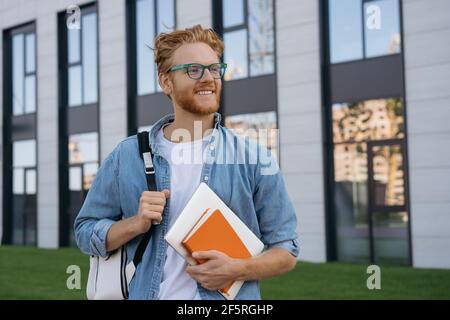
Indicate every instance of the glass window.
{"type": "Point", "coordinates": [390, 232]}
{"type": "Point", "coordinates": [18, 181]}
{"type": "Point", "coordinates": [83, 62]}
{"type": "Point", "coordinates": [363, 29]}
{"type": "Point", "coordinates": [346, 32]}
{"type": "Point", "coordinates": [388, 175]}
{"type": "Point", "coordinates": [152, 18]}
{"type": "Point", "coordinates": [233, 13]}
{"type": "Point", "coordinates": [83, 148]}
{"type": "Point", "coordinates": [368, 120]}
{"type": "Point", "coordinates": [382, 28]}
{"type": "Point", "coordinates": [75, 86]}
{"type": "Point", "coordinates": [30, 93]}
{"type": "Point", "coordinates": [261, 38]}
{"type": "Point", "coordinates": [166, 15]}
{"type": "Point", "coordinates": [236, 54]}
{"type": "Point", "coordinates": [249, 38]}
{"type": "Point", "coordinates": [75, 178]}
{"type": "Point", "coordinates": [260, 127]}
{"type": "Point", "coordinates": [89, 172]}
{"type": "Point", "coordinates": [30, 52]}
{"type": "Point", "coordinates": [30, 181]}
{"type": "Point", "coordinates": [73, 43]}
{"type": "Point", "coordinates": [145, 33]}
{"type": "Point", "coordinates": [18, 69]}
{"type": "Point", "coordinates": [89, 56]}
{"type": "Point", "coordinates": [24, 153]}
{"type": "Point", "coordinates": [351, 201]}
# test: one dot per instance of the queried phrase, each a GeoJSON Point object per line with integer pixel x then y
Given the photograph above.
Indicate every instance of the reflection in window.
{"type": "Point", "coordinates": [83, 148]}
{"type": "Point", "coordinates": [249, 41]}
{"type": "Point", "coordinates": [147, 12]}
{"type": "Point", "coordinates": [236, 54]}
{"type": "Point", "coordinates": [24, 73]}
{"type": "Point", "coordinates": [83, 63]}
{"type": "Point", "coordinates": [384, 38]}
{"type": "Point", "coordinates": [363, 29]}
{"type": "Point", "coordinates": [259, 127]}
{"type": "Point", "coordinates": [233, 13]}
{"type": "Point", "coordinates": [356, 127]}
{"type": "Point", "coordinates": [368, 120]}
{"type": "Point", "coordinates": [388, 176]}
{"type": "Point", "coordinates": [261, 38]}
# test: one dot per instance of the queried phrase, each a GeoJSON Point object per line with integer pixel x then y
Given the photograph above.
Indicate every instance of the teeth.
{"type": "Point", "coordinates": [204, 92]}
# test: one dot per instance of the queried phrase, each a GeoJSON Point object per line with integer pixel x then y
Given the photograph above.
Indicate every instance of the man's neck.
{"type": "Point", "coordinates": [185, 122]}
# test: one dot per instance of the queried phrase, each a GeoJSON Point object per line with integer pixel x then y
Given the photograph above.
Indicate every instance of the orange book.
{"type": "Point", "coordinates": [212, 231]}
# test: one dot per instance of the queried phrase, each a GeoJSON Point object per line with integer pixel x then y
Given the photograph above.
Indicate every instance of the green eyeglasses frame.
{"type": "Point", "coordinates": [223, 67]}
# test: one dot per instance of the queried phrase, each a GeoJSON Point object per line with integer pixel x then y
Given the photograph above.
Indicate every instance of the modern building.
{"type": "Point", "coordinates": [359, 90]}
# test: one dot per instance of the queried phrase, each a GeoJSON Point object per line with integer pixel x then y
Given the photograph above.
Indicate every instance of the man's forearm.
{"type": "Point", "coordinates": [120, 233]}
{"type": "Point", "coordinates": [270, 263]}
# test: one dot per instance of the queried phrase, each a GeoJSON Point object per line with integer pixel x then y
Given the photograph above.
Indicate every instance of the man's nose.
{"type": "Point", "coordinates": [207, 76]}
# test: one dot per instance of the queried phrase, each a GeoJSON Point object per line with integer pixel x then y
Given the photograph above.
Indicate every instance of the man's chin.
{"type": "Point", "coordinates": [200, 110]}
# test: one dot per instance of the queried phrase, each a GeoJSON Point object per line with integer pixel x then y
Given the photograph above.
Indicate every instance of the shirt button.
{"type": "Point", "coordinates": [205, 178]}
{"type": "Point", "coordinates": [211, 148]}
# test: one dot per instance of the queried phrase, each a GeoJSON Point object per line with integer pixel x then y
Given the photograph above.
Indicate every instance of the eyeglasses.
{"type": "Point", "coordinates": [195, 70]}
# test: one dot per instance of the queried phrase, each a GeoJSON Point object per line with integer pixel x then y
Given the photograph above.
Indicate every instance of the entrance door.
{"type": "Point", "coordinates": [387, 202]}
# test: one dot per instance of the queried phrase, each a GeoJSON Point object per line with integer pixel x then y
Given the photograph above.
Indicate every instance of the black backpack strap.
{"type": "Point", "coordinates": [146, 154]}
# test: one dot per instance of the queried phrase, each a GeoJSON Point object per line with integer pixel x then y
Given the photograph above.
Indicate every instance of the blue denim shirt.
{"type": "Point", "coordinates": [254, 190]}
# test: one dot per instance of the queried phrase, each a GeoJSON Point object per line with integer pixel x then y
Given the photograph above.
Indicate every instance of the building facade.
{"type": "Point", "coordinates": [359, 90]}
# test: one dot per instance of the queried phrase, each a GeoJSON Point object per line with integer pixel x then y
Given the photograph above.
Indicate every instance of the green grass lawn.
{"type": "Point", "coordinates": [30, 273]}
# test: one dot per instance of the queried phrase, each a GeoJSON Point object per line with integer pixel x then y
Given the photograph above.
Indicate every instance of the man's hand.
{"type": "Point", "coordinates": [216, 273]}
{"type": "Point", "coordinates": [151, 207]}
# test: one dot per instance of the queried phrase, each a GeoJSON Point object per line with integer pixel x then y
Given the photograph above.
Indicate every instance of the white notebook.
{"type": "Point", "coordinates": [202, 199]}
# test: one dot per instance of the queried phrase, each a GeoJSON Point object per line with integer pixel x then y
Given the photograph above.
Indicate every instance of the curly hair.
{"type": "Point", "coordinates": [167, 43]}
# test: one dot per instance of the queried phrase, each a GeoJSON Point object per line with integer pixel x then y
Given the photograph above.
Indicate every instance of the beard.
{"type": "Point", "coordinates": [188, 102]}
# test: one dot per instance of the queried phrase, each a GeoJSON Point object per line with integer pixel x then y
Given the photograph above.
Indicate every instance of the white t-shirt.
{"type": "Point", "coordinates": [185, 160]}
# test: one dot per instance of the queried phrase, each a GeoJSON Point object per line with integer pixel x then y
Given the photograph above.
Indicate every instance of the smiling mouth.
{"type": "Point", "coordinates": [204, 92]}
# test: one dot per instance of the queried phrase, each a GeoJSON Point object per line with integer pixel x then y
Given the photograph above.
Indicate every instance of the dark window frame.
{"type": "Point", "coordinates": [363, 36]}
{"type": "Point", "coordinates": [327, 102]}
{"type": "Point", "coordinates": [138, 114]}
{"type": "Point", "coordinates": [72, 120]}
{"type": "Point", "coordinates": [16, 127]}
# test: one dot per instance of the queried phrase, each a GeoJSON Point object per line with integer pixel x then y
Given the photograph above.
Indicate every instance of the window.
{"type": "Point", "coordinates": [83, 160]}
{"type": "Point", "coordinates": [248, 34]}
{"type": "Point", "coordinates": [82, 61]}
{"type": "Point", "coordinates": [24, 192]}
{"type": "Point", "coordinates": [24, 73]}
{"type": "Point", "coordinates": [83, 166]}
{"type": "Point", "coordinates": [369, 195]}
{"type": "Point", "coordinates": [363, 29]}
{"type": "Point", "coordinates": [259, 127]}
{"type": "Point", "coordinates": [152, 18]}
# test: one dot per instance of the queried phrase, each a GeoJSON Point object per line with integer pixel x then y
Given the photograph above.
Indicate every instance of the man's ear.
{"type": "Point", "coordinates": [165, 83]}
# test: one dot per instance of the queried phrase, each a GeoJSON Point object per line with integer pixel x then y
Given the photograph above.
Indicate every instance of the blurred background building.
{"type": "Point", "coordinates": [359, 90]}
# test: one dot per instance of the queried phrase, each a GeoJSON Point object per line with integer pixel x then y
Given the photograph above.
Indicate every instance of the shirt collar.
{"type": "Point", "coordinates": [170, 118]}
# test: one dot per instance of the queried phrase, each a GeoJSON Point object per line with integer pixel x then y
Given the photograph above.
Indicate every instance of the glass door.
{"type": "Point", "coordinates": [387, 206]}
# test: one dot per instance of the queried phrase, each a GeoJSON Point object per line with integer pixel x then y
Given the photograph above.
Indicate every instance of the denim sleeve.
{"type": "Point", "coordinates": [276, 214]}
{"type": "Point", "coordinates": [100, 210]}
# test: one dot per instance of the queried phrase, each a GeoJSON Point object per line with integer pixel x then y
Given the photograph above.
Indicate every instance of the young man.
{"type": "Point", "coordinates": [118, 209]}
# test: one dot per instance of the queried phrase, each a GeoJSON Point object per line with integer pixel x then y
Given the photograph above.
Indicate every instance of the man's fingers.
{"type": "Point", "coordinates": [206, 254]}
